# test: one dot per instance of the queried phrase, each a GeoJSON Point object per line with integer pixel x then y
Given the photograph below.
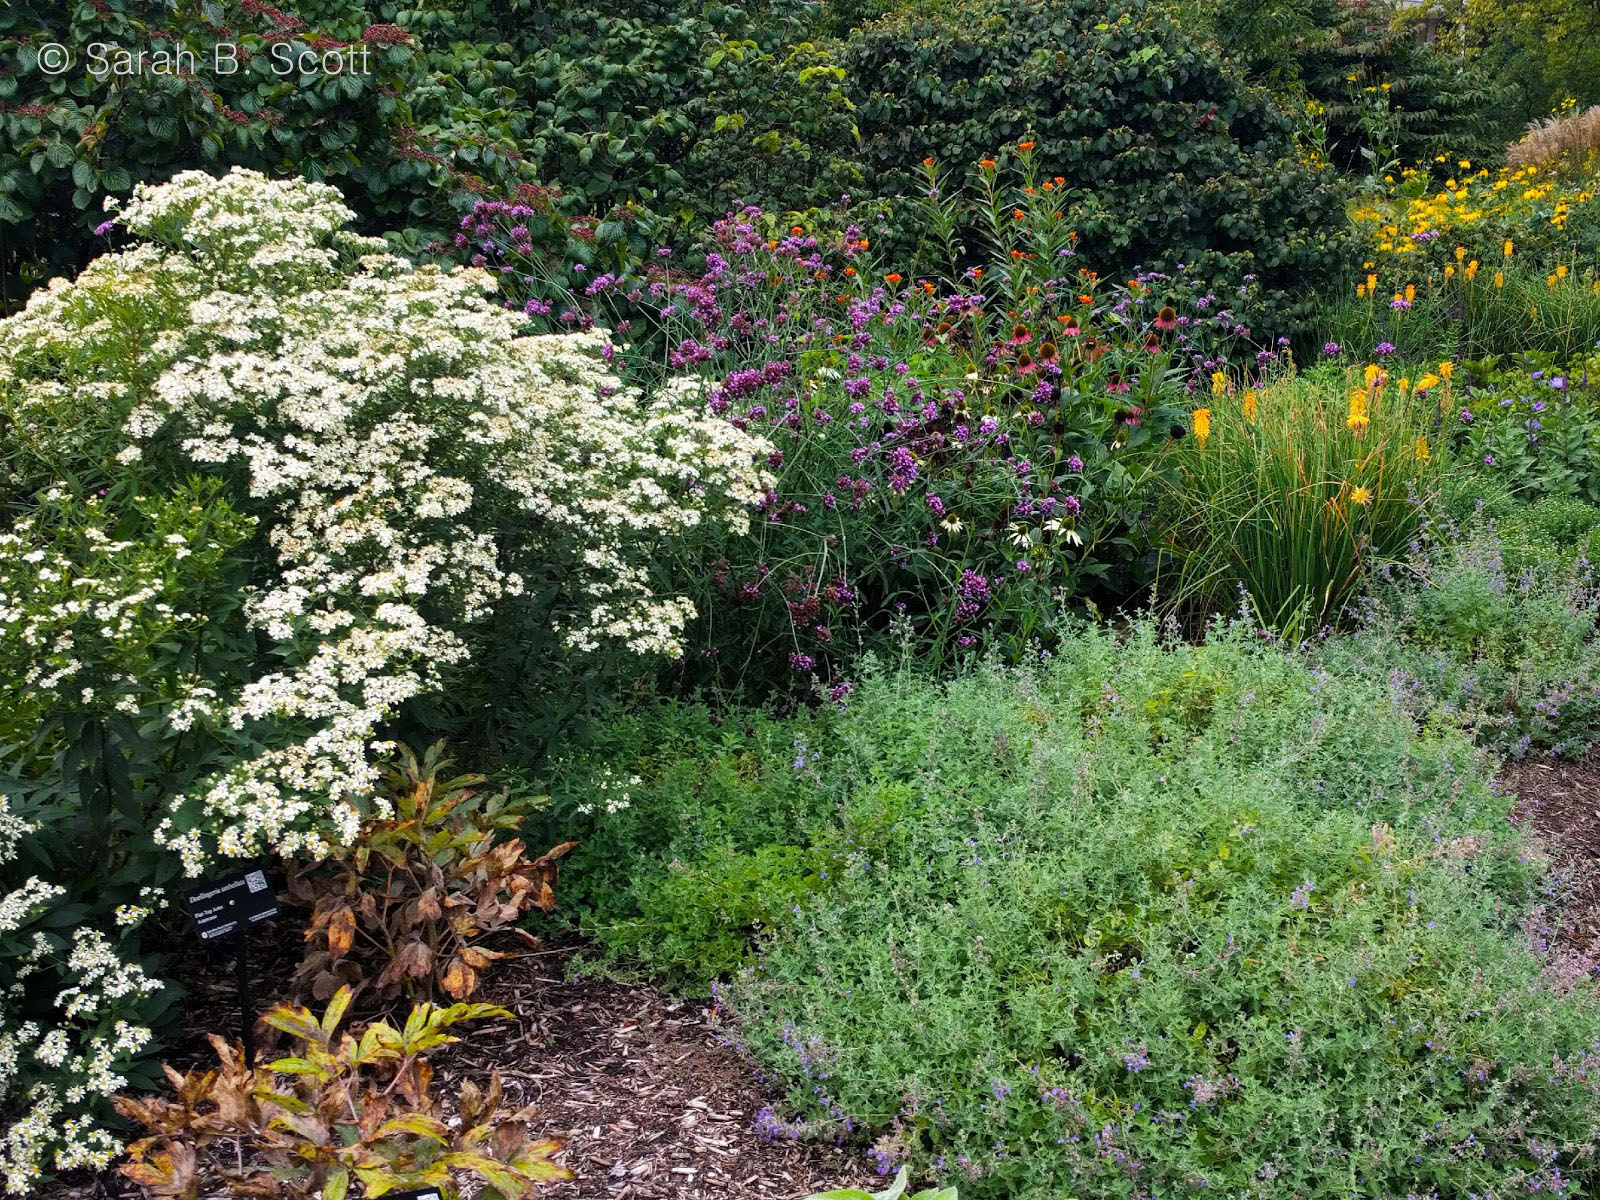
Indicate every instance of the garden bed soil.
{"type": "Point", "coordinates": [1559, 803]}
{"type": "Point", "coordinates": [648, 1097]}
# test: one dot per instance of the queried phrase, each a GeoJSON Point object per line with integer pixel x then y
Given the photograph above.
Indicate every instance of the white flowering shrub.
{"type": "Point", "coordinates": [268, 486]}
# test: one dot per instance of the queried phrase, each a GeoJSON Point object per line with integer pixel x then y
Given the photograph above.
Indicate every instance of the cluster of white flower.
{"type": "Point", "coordinates": [615, 793]}
{"type": "Point", "coordinates": [380, 419]}
{"type": "Point", "coordinates": [71, 1065]}
{"type": "Point", "coordinates": [409, 465]}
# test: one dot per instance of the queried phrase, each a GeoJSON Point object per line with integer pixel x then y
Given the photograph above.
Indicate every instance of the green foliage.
{"type": "Point", "coordinates": [683, 110]}
{"type": "Point", "coordinates": [713, 818]}
{"type": "Point", "coordinates": [893, 1192]}
{"type": "Point", "coordinates": [1554, 529]}
{"type": "Point", "coordinates": [341, 1109]}
{"type": "Point", "coordinates": [1543, 52]}
{"type": "Point", "coordinates": [1384, 95]}
{"type": "Point", "coordinates": [1491, 628]}
{"type": "Point", "coordinates": [1534, 430]}
{"type": "Point", "coordinates": [1260, 930]}
{"type": "Point", "coordinates": [398, 142]}
{"type": "Point", "coordinates": [1166, 156]}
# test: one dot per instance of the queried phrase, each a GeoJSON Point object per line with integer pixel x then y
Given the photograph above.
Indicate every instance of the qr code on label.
{"type": "Point", "coordinates": [257, 881]}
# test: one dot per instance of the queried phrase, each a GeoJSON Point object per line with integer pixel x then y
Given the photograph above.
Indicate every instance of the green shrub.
{"type": "Point", "coordinates": [1534, 431]}
{"type": "Point", "coordinates": [1492, 628]}
{"type": "Point", "coordinates": [713, 817]}
{"type": "Point", "coordinates": [1166, 157]}
{"type": "Point", "coordinates": [684, 110]}
{"type": "Point", "coordinates": [1166, 919]}
{"type": "Point", "coordinates": [1556, 529]}
{"type": "Point", "coordinates": [399, 143]}
{"type": "Point", "coordinates": [1385, 95]}
{"type": "Point", "coordinates": [1365, 91]}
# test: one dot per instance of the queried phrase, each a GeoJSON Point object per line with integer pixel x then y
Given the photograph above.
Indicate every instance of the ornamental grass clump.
{"type": "Point", "coordinates": [1165, 919]}
{"type": "Point", "coordinates": [271, 487]}
{"type": "Point", "coordinates": [1294, 492]}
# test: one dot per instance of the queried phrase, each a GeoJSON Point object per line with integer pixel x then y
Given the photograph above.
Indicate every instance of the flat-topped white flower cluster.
{"type": "Point", "coordinates": [401, 467]}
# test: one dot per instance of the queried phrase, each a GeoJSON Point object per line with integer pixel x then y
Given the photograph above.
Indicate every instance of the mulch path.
{"type": "Point", "coordinates": [1559, 803]}
{"type": "Point", "coordinates": [649, 1099]}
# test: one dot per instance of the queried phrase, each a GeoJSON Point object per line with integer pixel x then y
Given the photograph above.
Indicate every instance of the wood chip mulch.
{"type": "Point", "coordinates": [651, 1101]}
{"type": "Point", "coordinates": [1559, 803]}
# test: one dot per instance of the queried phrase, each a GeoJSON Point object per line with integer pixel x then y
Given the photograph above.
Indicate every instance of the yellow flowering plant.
{"type": "Point", "coordinates": [1484, 262]}
{"type": "Point", "coordinates": [1295, 491]}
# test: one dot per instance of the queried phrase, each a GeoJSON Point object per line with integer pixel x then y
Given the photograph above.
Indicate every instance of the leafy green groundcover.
{"type": "Point", "coordinates": [1147, 920]}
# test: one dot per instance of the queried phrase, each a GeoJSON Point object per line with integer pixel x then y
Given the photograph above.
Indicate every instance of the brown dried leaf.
{"type": "Point", "coordinates": [459, 980]}
{"type": "Point", "coordinates": [341, 931]}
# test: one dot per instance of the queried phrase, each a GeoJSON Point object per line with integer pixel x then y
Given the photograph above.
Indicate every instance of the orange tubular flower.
{"type": "Point", "coordinates": [1025, 146]}
{"type": "Point", "coordinates": [891, 278]}
{"type": "Point", "coordinates": [986, 163]}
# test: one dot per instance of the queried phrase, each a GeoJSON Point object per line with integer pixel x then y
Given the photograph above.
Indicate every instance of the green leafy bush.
{"type": "Point", "coordinates": [1384, 95]}
{"type": "Point", "coordinates": [682, 110]}
{"type": "Point", "coordinates": [1166, 157]}
{"type": "Point", "coordinates": [714, 818]}
{"type": "Point", "coordinates": [1492, 628]}
{"type": "Point", "coordinates": [1178, 918]}
{"type": "Point", "coordinates": [1534, 431]}
{"type": "Point", "coordinates": [398, 142]}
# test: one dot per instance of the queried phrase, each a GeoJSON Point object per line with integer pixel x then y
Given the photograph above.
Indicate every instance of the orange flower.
{"type": "Point", "coordinates": [891, 278]}
{"type": "Point", "coordinates": [986, 163]}
{"type": "Point", "coordinates": [1025, 146]}
{"type": "Point", "coordinates": [1086, 299]}
{"type": "Point", "coordinates": [850, 271]}
{"type": "Point", "coordinates": [1016, 214]}
{"type": "Point", "coordinates": [927, 162]}
{"type": "Point", "coordinates": [798, 229]}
